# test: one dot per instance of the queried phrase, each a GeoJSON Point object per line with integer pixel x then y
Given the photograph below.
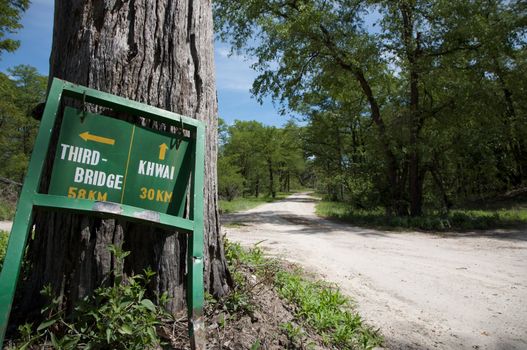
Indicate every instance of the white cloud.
{"type": "Point", "coordinates": [233, 72]}
{"type": "Point", "coordinates": [222, 51]}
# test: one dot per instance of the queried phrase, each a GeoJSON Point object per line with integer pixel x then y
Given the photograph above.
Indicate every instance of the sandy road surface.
{"type": "Point", "coordinates": [467, 291]}
{"type": "Point", "coordinates": [5, 226]}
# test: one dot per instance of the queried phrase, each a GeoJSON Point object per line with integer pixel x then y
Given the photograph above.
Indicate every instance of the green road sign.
{"type": "Point", "coordinates": [106, 159]}
{"type": "Point", "coordinates": [112, 168]}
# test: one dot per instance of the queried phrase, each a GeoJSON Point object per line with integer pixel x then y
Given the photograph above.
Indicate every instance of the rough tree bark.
{"type": "Point", "coordinates": [412, 48]}
{"type": "Point", "coordinates": [158, 52]}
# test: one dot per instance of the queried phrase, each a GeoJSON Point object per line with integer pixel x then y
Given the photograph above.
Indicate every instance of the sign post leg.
{"type": "Point", "coordinates": [12, 263]}
{"type": "Point", "coordinates": [195, 289]}
{"type": "Point", "coordinates": [24, 213]}
{"type": "Point", "coordinates": [195, 298]}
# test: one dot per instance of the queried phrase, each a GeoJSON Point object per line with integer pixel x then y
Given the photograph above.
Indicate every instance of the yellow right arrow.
{"type": "Point", "coordinates": [162, 151]}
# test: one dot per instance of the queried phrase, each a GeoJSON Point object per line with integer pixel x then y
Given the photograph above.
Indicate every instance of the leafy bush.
{"type": "Point", "coordinates": [4, 238]}
{"type": "Point", "coordinates": [318, 305]}
{"type": "Point", "coordinates": [7, 210]}
{"type": "Point", "coordinates": [114, 317]}
{"type": "Point", "coordinates": [230, 182]}
{"type": "Point", "coordinates": [324, 308]}
{"type": "Point", "coordinates": [455, 220]}
{"type": "Point", "coordinates": [239, 300]}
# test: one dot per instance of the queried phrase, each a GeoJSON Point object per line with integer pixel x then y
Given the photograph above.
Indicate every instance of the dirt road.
{"type": "Point", "coordinates": [5, 226]}
{"type": "Point", "coordinates": [424, 291]}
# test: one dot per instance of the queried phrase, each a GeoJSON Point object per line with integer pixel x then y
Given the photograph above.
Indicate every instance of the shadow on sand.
{"type": "Point", "coordinates": [312, 225]}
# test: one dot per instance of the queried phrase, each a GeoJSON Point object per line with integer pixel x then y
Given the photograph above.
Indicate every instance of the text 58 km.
{"type": "Point", "coordinates": [80, 193]}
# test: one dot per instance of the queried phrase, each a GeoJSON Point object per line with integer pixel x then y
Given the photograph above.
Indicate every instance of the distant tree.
{"type": "Point", "coordinates": [291, 160]}
{"type": "Point", "coordinates": [266, 157]}
{"type": "Point", "coordinates": [245, 150]}
{"type": "Point", "coordinates": [9, 112]}
{"type": "Point", "coordinates": [31, 90]}
{"type": "Point", "coordinates": [19, 93]}
{"type": "Point", "coordinates": [223, 135]}
{"type": "Point", "coordinates": [10, 14]}
{"type": "Point", "coordinates": [230, 181]}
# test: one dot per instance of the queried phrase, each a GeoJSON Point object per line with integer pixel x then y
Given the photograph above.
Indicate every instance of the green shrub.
{"type": "Point", "coordinates": [456, 220]}
{"type": "Point", "coordinates": [230, 182]}
{"type": "Point", "coordinates": [328, 311]}
{"type": "Point", "coordinates": [7, 210]}
{"type": "Point", "coordinates": [239, 300]}
{"type": "Point", "coordinates": [4, 238]}
{"type": "Point", "coordinates": [318, 305]}
{"type": "Point", "coordinates": [114, 317]}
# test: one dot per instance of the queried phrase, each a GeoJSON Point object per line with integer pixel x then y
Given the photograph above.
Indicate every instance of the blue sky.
{"type": "Point", "coordinates": [234, 75]}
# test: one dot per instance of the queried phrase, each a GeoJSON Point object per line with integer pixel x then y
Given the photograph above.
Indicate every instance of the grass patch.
{"type": "Point", "coordinates": [324, 308]}
{"type": "Point", "coordinates": [118, 316]}
{"type": "Point", "coordinates": [458, 219]}
{"type": "Point", "coordinates": [246, 203]}
{"type": "Point", "coordinates": [4, 237]}
{"type": "Point", "coordinates": [234, 224]}
{"type": "Point", "coordinates": [318, 307]}
{"type": "Point", "coordinates": [7, 210]}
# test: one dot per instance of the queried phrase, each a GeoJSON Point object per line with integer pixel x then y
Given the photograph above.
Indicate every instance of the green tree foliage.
{"type": "Point", "coordinates": [117, 316]}
{"type": "Point", "coordinates": [423, 109]}
{"type": "Point", "coordinates": [10, 14]}
{"type": "Point", "coordinates": [20, 92]}
{"type": "Point", "coordinates": [230, 181]}
{"type": "Point", "coordinates": [256, 159]}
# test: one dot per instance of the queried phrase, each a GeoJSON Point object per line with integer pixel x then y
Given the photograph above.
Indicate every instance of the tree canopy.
{"type": "Point", "coordinates": [20, 92]}
{"type": "Point", "coordinates": [256, 159]}
{"type": "Point", "coordinates": [409, 103]}
{"type": "Point", "coordinates": [10, 14]}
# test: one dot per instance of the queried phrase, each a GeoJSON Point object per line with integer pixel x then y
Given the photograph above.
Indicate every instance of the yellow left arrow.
{"type": "Point", "coordinates": [86, 136]}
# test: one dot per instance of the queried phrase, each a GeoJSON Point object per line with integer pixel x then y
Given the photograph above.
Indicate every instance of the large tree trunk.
{"type": "Point", "coordinates": [412, 47]}
{"type": "Point", "coordinates": [272, 192]}
{"type": "Point", "coordinates": [159, 52]}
